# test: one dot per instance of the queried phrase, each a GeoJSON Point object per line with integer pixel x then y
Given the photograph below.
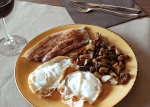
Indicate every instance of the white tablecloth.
{"type": "Point", "coordinates": [29, 20]}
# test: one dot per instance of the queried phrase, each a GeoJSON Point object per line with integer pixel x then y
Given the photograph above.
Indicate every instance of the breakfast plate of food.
{"type": "Point", "coordinates": [76, 65]}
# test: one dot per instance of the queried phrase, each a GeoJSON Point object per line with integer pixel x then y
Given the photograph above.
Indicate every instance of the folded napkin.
{"type": "Point", "coordinates": [101, 18]}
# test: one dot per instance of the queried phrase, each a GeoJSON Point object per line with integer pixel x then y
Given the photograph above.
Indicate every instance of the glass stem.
{"type": "Point", "coordinates": [9, 40]}
{"type": "Point", "coordinates": [5, 29]}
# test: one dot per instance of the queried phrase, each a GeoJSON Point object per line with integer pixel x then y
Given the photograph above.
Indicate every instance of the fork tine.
{"type": "Point", "coordinates": [74, 6]}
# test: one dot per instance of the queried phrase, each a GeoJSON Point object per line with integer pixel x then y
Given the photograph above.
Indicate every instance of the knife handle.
{"type": "Point", "coordinates": [120, 8]}
{"type": "Point", "coordinates": [117, 13]}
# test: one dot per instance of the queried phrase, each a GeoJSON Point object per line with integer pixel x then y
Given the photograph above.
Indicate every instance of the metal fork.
{"type": "Point", "coordinates": [87, 9]}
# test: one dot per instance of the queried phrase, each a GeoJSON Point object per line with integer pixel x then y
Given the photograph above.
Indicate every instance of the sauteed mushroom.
{"type": "Point", "coordinates": [101, 58]}
{"type": "Point", "coordinates": [124, 77]}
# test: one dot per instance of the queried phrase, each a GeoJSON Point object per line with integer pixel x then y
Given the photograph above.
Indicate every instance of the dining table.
{"type": "Point", "coordinates": [32, 17]}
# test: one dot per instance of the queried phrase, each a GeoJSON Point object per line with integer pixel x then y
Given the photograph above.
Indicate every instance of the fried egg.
{"type": "Point", "coordinates": [45, 79]}
{"type": "Point", "coordinates": [78, 87]}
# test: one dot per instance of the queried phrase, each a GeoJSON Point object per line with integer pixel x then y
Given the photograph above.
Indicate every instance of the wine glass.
{"type": "Point", "coordinates": [11, 44]}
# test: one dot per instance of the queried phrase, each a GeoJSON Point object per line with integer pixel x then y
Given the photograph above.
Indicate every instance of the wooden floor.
{"type": "Point", "coordinates": [144, 4]}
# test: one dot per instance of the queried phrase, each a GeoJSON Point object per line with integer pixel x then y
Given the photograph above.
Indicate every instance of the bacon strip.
{"type": "Point", "coordinates": [57, 44]}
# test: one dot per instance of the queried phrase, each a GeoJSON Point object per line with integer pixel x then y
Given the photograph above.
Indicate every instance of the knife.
{"type": "Point", "coordinates": [108, 6]}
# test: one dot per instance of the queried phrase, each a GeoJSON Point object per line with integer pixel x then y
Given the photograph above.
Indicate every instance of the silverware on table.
{"type": "Point", "coordinates": [104, 6]}
{"type": "Point", "coordinates": [87, 9]}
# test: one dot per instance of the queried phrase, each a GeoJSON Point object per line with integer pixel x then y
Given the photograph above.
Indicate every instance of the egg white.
{"type": "Point", "coordinates": [45, 79]}
{"type": "Point", "coordinates": [78, 87]}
